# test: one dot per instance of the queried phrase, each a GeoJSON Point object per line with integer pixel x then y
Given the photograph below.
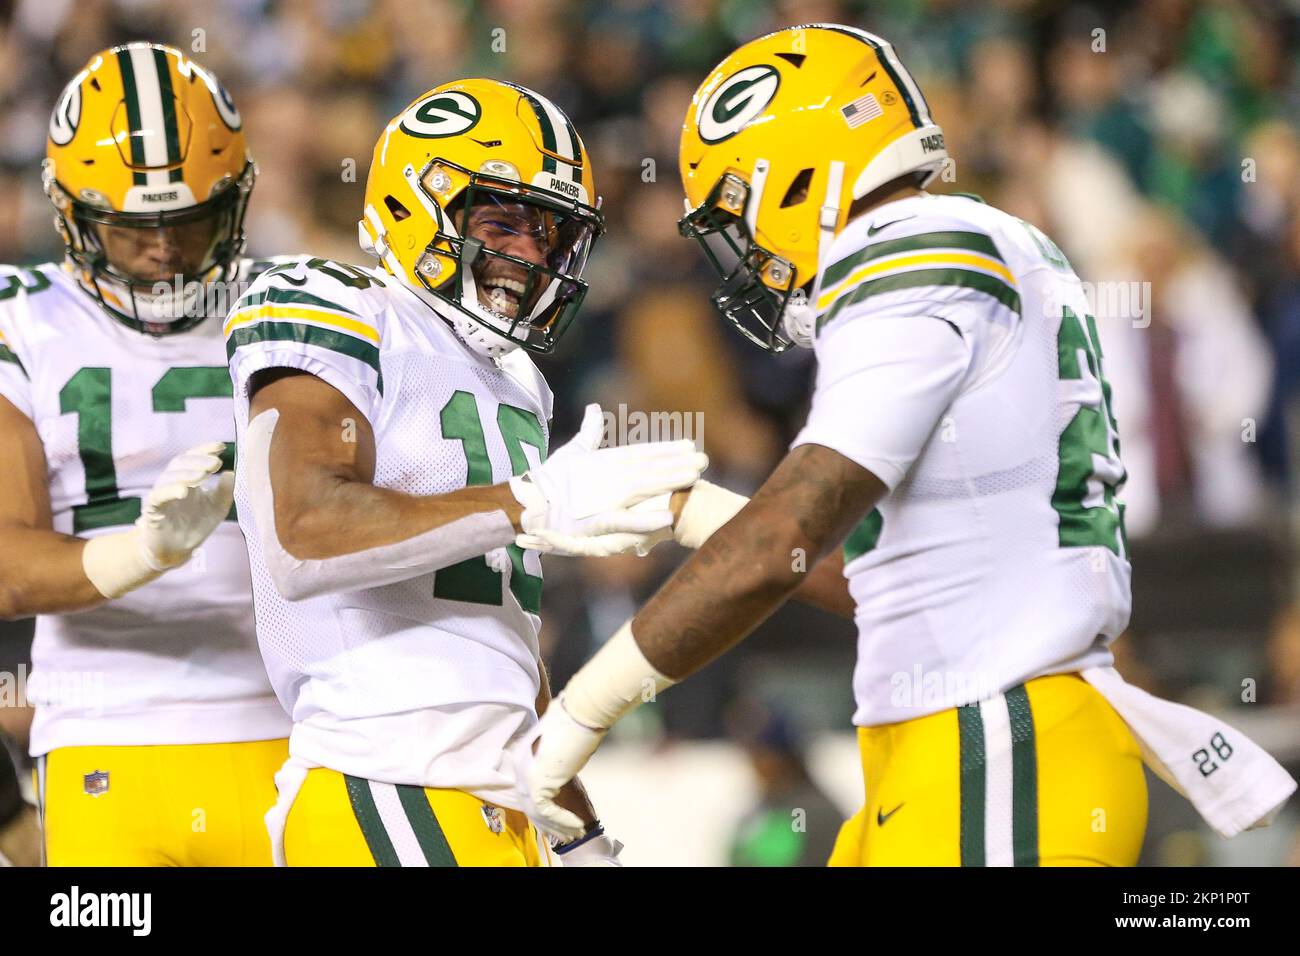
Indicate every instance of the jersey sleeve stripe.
{"type": "Point", "coordinates": [893, 263]}
{"type": "Point", "coordinates": [280, 296]}
{"type": "Point", "coordinates": [933, 241]}
{"type": "Point", "coordinates": [301, 334]}
{"type": "Point", "coordinates": [917, 278]}
{"type": "Point", "coordinates": [7, 355]}
{"type": "Point", "coordinates": [259, 313]}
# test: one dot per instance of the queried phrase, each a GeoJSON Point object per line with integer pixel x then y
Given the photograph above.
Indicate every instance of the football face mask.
{"type": "Point", "coordinates": [520, 254]}
{"type": "Point", "coordinates": [754, 306]}
{"type": "Point", "coordinates": [130, 256]}
{"type": "Point", "coordinates": [157, 247]}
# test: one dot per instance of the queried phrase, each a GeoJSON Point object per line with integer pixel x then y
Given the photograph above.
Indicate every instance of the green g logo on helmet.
{"type": "Point", "coordinates": [737, 102]}
{"type": "Point", "coordinates": [444, 114]}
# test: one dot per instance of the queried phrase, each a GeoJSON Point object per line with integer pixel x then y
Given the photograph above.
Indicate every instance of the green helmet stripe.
{"type": "Point", "coordinates": [544, 121]}
{"type": "Point", "coordinates": [170, 129]}
{"type": "Point", "coordinates": [132, 113]}
{"type": "Point", "coordinates": [882, 55]}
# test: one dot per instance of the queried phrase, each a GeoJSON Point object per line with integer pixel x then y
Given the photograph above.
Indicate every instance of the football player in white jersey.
{"type": "Point", "coordinates": [156, 732]}
{"type": "Point", "coordinates": [393, 437]}
{"type": "Point", "coordinates": [960, 455]}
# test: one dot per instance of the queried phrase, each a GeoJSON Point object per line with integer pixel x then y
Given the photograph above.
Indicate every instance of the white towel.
{"type": "Point", "coordinates": [1186, 748]}
{"type": "Point", "coordinates": [288, 781]}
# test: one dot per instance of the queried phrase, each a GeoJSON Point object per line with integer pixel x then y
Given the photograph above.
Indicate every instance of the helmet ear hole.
{"type": "Point", "coordinates": [396, 209]}
{"type": "Point", "coordinates": [798, 190]}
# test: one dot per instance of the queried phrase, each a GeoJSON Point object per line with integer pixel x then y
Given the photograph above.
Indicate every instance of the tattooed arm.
{"type": "Point", "coordinates": [747, 569]}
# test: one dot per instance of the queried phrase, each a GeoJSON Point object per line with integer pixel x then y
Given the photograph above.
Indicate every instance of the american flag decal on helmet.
{"type": "Point", "coordinates": [862, 110]}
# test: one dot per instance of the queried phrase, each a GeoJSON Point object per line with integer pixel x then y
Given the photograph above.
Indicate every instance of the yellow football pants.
{"type": "Point", "coordinates": [340, 820]}
{"type": "Point", "coordinates": [1046, 774]}
{"type": "Point", "coordinates": [164, 805]}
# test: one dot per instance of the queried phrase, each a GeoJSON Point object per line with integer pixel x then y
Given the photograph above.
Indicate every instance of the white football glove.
{"type": "Point", "coordinates": [184, 506]}
{"type": "Point", "coordinates": [614, 681]}
{"type": "Point", "coordinates": [584, 491]}
{"type": "Point", "coordinates": [594, 849]}
{"type": "Point", "coordinates": [564, 749]}
{"type": "Point", "coordinates": [605, 545]}
{"type": "Point", "coordinates": [708, 507]}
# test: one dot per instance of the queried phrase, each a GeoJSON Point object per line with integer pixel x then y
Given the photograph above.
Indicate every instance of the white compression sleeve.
{"type": "Point", "coordinates": [708, 507]}
{"type": "Point", "coordinates": [471, 536]}
{"type": "Point", "coordinates": [614, 681]}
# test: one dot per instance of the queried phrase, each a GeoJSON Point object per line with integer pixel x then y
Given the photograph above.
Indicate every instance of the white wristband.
{"type": "Point", "coordinates": [116, 563]}
{"type": "Point", "coordinates": [613, 682]}
{"type": "Point", "coordinates": [708, 507]}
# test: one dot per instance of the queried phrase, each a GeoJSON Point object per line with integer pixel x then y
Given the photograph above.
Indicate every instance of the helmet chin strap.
{"type": "Point", "coordinates": [800, 317]}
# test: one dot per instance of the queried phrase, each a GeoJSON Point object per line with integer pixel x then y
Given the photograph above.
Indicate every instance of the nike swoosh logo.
{"type": "Point", "coordinates": [881, 817]}
{"type": "Point", "coordinates": [291, 280]}
{"type": "Point", "coordinates": [872, 230]}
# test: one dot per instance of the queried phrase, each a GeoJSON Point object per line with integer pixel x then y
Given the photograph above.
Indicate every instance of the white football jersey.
{"type": "Point", "coordinates": [176, 661]}
{"type": "Point", "coordinates": [958, 362]}
{"type": "Point", "coordinates": [433, 680]}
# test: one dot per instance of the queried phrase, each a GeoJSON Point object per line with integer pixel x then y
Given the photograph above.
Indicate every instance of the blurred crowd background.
{"type": "Point", "coordinates": [1155, 140]}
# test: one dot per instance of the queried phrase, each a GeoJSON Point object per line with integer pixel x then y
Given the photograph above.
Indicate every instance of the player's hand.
{"type": "Point", "coordinates": [561, 751]}
{"type": "Point", "coordinates": [184, 506]}
{"type": "Point", "coordinates": [585, 491]}
{"type": "Point", "coordinates": [603, 545]}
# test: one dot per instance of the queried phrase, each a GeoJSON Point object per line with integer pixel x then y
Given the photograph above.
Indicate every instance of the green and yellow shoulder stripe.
{"type": "Point", "coordinates": [271, 313]}
{"type": "Point", "coordinates": [947, 258]}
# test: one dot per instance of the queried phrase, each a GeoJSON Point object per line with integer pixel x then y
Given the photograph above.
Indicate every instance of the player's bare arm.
{"type": "Point", "coordinates": [40, 569]}
{"type": "Point", "coordinates": [323, 468]}
{"type": "Point", "coordinates": [750, 567]}
{"type": "Point", "coordinates": [44, 572]}
{"type": "Point", "coordinates": [705, 508]}
{"type": "Point", "coordinates": [325, 526]}
{"type": "Point", "coordinates": [321, 464]}
{"type": "Point", "coordinates": [826, 588]}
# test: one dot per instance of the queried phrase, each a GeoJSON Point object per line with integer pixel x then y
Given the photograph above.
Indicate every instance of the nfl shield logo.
{"type": "Point", "coordinates": [96, 783]}
{"type": "Point", "coordinates": [492, 817]}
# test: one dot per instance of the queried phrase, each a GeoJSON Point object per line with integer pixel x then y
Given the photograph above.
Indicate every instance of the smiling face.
{"type": "Point", "coordinates": [516, 229]}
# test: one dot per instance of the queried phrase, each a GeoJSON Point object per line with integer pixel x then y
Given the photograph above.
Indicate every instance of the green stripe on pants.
{"type": "Point", "coordinates": [372, 826]}
{"type": "Point", "coordinates": [970, 738]}
{"type": "Point", "coordinates": [433, 842]}
{"type": "Point", "coordinates": [1024, 778]}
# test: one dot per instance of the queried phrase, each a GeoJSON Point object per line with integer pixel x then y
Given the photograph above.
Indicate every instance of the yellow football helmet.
{"type": "Point", "coordinates": [818, 111]}
{"type": "Point", "coordinates": [463, 169]}
{"type": "Point", "coordinates": [149, 175]}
